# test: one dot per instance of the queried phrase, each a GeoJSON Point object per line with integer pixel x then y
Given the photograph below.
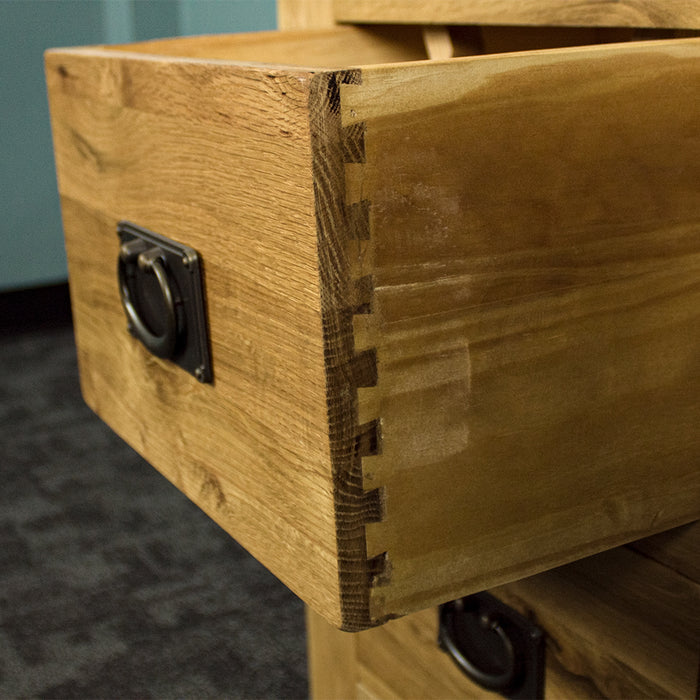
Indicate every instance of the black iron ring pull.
{"type": "Point", "coordinates": [148, 260]}
{"type": "Point", "coordinates": [493, 681]}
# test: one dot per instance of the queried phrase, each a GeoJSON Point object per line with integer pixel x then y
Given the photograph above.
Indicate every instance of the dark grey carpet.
{"type": "Point", "coordinates": [112, 584]}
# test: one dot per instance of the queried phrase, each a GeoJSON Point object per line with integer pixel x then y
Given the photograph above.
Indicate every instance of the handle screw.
{"type": "Point", "coordinates": [188, 261]}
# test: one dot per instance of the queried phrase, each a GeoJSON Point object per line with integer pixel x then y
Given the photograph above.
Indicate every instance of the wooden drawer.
{"type": "Point", "coordinates": [453, 306]}
{"type": "Point", "coordinates": [617, 625]}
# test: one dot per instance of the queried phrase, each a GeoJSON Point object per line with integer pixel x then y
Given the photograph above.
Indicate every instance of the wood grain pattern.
{"type": "Point", "coordinates": [304, 14]}
{"type": "Point", "coordinates": [438, 43]}
{"type": "Point", "coordinates": [348, 441]}
{"type": "Point", "coordinates": [454, 325]}
{"type": "Point", "coordinates": [202, 153]}
{"type": "Point", "coordinates": [337, 47]}
{"type": "Point", "coordinates": [678, 549]}
{"type": "Point", "coordinates": [596, 13]}
{"type": "Point", "coordinates": [629, 625]}
{"type": "Point", "coordinates": [617, 625]}
{"type": "Point", "coordinates": [402, 661]}
{"type": "Point", "coordinates": [535, 256]}
{"type": "Point", "coordinates": [332, 660]}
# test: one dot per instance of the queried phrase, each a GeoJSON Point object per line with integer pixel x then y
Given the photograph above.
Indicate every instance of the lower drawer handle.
{"type": "Point", "coordinates": [135, 258]}
{"type": "Point", "coordinates": [493, 645]}
{"type": "Point", "coordinates": [497, 680]}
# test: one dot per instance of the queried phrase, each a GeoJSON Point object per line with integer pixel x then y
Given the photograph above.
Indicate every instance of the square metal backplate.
{"type": "Point", "coordinates": [180, 268]}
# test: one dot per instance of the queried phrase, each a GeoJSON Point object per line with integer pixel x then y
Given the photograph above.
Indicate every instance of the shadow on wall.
{"type": "Point", "coordinates": [30, 227]}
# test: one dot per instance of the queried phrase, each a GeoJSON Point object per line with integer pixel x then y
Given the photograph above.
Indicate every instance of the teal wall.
{"type": "Point", "coordinates": [31, 240]}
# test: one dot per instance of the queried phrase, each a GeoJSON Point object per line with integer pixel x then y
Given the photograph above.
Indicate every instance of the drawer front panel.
{"type": "Point", "coordinates": [194, 151]}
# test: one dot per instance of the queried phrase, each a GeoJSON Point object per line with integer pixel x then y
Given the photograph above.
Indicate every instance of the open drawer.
{"type": "Point", "coordinates": [453, 306]}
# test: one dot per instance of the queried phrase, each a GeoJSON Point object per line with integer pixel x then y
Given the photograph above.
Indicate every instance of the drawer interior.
{"type": "Point", "coordinates": [346, 46]}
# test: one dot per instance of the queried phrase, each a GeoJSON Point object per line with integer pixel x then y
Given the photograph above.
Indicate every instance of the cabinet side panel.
{"type": "Point", "coordinates": [534, 251]}
{"type": "Point", "coordinates": [216, 157]}
{"type": "Point", "coordinates": [332, 660]}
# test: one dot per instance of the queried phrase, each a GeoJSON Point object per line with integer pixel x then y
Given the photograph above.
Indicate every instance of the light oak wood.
{"type": "Point", "coordinates": [454, 325]}
{"type": "Point", "coordinates": [398, 661]}
{"type": "Point", "coordinates": [534, 255]}
{"type": "Point", "coordinates": [402, 661]}
{"type": "Point", "coordinates": [338, 47]}
{"type": "Point", "coordinates": [438, 43]}
{"type": "Point", "coordinates": [304, 14]}
{"type": "Point", "coordinates": [236, 161]}
{"type": "Point", "coordinates": [628, 624]}
{"type": "Point", "coordinates": [202, 153]}
{"type": "Point", "coordinates": [332, 659]}
{"type": "Point", "coordinates": [589, 13]}
{"type": "Point", "coordinates": [617, 625]}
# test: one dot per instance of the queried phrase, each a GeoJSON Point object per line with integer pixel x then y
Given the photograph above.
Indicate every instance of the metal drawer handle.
{"type": "Point", "coordinates": [148, 260]}
{"type": "Point", "coordinates": [487, 679]}
{"type": "Point", "coordinates": [494, 645]}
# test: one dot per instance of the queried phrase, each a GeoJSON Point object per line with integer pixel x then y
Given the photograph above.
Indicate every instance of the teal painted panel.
{"type": "Point", "coordinates": [118, 21]}
{"type": "Point", "coordinates": [31, 237]}
{"type": "Point", "coordinates": [155, 19]}
{"type": "Point", "coordinates": [139, 20]}
{"type": "Point", "coordinates": [223, 16]}
{"type": "Point", "coordinates": [31, 240]}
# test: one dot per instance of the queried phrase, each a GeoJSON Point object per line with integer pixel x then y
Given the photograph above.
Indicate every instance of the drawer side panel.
{"type": "Point", "coordinates": [534, 248]}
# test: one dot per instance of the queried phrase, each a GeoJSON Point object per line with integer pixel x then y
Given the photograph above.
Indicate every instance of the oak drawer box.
{"type": "Point", "coordinates": [453, 306]}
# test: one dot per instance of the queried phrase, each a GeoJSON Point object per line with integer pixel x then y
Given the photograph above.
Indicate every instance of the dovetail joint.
{"type": "Point", "coordinates": [364, 365]}
{"type": "Point", "coordinates": [379, 570]}
{"type": "Point", "coordinates": [358, 220]}
{"type": "Point", "coordinates": [354, 143]}
{"type": "Point", "coordinates": [368, 439]}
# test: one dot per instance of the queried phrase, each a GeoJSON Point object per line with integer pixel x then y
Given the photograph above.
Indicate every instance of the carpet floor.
{"type": "Point", "coordinates": [112, 584]}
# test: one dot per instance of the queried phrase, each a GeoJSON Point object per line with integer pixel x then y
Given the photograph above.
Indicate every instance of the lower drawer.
{"type": "Point", "coordinates": [616, 625]}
